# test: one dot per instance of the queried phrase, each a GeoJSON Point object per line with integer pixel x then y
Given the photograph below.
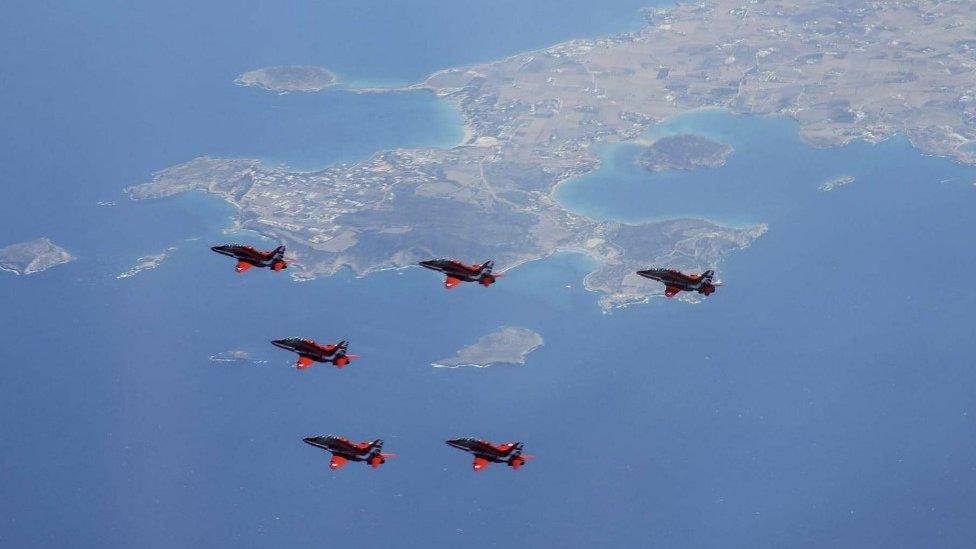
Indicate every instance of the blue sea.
{"type": "Point", "coordinates": [823, 397]}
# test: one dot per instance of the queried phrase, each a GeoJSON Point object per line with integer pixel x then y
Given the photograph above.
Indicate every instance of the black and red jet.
{"type": "Point", "coordinates": [458, 272]}
{"type": "Point", "coordinates": [675, 281]}
{"type": "Point", "coordinates": [485, 452]}
{"type": "Point", "coordinates": [248, 257]}
{"type": "Point", "coordinates": [343, 450]}
{"type": "Point", "coordinates": [310, 351]}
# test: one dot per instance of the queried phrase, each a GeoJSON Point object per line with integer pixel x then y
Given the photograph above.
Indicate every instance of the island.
{"type": "Point", "coordinates": [33, 256]}
{"type": "Point", "coordinates": [843, 71]}
{"type": "Point", "coordinates": [683, 152]}
{"type": "Point", "coordinates": [507, 345]}
{"type": "Point", "coordinates": [146, 263]}
{"type": "Point", "coordinates": [836, 182]}
{"type": "Point", "coordinates": [236, 356]}
{"type": "Point", "coordinates": [288, 78]}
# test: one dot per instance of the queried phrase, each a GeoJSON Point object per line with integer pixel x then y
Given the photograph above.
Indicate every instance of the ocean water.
{"type": "Point", "coordinates": [823, 397]}
{"type": "Point", "coordinates": [750, 188]}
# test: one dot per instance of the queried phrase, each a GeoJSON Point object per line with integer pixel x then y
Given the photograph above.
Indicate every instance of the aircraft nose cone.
{"type": "Point", "coordinates": [283, 343]}
{"type": "Point", "coordinates": [426, 263]}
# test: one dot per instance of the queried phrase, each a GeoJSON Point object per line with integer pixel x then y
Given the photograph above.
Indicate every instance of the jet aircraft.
{"type": "Point", "coordinates": [310, 351]}
{"type": "Point", "coordinates": [344, 451]}
{"type": "Point", "coordinates": [485, 452]}
{"type": "Point", "coordinates": [675, 281]}
{"type": "Point", "coordinates": [248, 257]}
{"type": "Point", "coordinates": [458, 272]}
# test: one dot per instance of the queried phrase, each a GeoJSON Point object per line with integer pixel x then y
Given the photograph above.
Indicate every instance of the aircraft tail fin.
{"type": "Point", "coordinates": [379, 459]}
{"type": "Point", "coordinates": [485, 276]}
{"type": "Point", "coordinates": [278, 258]}
{"type": "Point", "coordinates": [341, 357]}
{"type": "Point", "coordinates": [518, 461]}
{"type": "Point", "coordinates": [376, 456]}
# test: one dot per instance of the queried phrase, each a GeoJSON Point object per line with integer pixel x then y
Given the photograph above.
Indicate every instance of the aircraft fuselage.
{"type": "Point", "coordinates": [675, 281]}
{"type": "Point", "coordinates": [347, 449]}
{"type": "Point", "coordinates": [248, 257]}
{"type": "Point", "coordinates": [310, 351]}
{"type": "Point", "coordinates": [344, 450]}
{"type": "Point", "coordinates": [307, 347]}
{"type": "Point", "coordinates": [486, 452]}
{"type": "Point", "coordinates": [457, 271]}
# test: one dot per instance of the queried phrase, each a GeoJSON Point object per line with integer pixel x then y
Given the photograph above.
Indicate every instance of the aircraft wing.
{"type": "Point", "coordinates": [480, 463]}
{"type": "Point", "coordinates": [670, 291]}
{"type": "Point", "coordinates": [242, 266]}
{"type": "Point", "coordinates": [337, 462]}
{"type": "Point", "coordinates": [451, 282]}
{"type": "Point", "coordinates": [304, 362]}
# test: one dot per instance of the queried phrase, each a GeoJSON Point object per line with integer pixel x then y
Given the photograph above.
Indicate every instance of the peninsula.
{"type": "Point", "coordinates": [33, 256]}
{"type": "Point", "coordinates": [507, 345]}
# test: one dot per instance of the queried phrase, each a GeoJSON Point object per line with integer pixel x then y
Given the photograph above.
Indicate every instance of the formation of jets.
{"type": "Point", "coordinates": [371, 452]}
{"type": "Point", "coordinates": [456, 272]}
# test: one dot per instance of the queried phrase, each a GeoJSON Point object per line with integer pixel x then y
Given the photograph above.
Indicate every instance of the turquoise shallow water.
{"type": "Point", "coordinates": [822, 397]}
{"type": "Point", "coordinates": [755, 185]}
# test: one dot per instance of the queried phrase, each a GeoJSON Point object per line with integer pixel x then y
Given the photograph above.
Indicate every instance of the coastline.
{"type": "Point", "coordinates": [454, 85]}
